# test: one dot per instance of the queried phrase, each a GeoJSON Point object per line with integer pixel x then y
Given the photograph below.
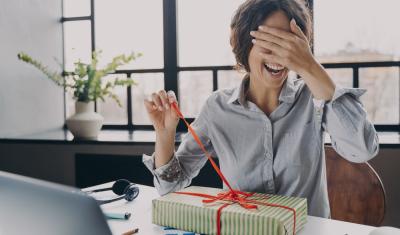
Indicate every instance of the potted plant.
{"type": "Point", "coordinates": [87, 86]}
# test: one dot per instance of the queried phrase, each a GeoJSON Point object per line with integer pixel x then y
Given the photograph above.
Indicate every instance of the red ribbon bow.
{"type": "Point", "coordinates": [232, 196]}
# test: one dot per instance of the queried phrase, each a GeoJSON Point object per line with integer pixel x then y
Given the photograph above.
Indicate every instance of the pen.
{"type": "Point", "coordinates": [130, 232]}
{"type": "Point", "coordinates": [121, 216]}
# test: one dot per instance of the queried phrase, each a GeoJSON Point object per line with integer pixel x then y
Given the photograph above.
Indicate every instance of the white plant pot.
{"type": "Point", "coordinates": [85, 123]}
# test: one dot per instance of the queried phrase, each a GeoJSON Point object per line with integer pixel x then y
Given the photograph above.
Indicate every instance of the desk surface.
{"type": "Point", "coordinates": [141, 217]}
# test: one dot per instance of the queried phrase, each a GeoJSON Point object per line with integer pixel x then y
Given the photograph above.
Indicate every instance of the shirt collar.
{"type": "Point", "coordinates": [288, 93]}
{"type": "Point", "coordinates": [239, 93]}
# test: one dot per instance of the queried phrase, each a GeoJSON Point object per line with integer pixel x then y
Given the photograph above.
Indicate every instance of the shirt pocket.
{"type": "Point", "coordinates": [300, 145]}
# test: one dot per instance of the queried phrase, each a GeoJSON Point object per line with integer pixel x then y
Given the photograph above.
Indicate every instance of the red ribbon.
{"type": "Point", "coordinates": [232, 196]}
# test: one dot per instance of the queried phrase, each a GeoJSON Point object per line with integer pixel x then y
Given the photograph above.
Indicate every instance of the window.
{"type": "Point", "coordinates": [76, 43]}
{"type": "Point", "coordinates": [341, 77]}
{"type": "Point", "coordinates": [194, 89]}
{"type": "Point", "coordinates": [229, 79]}
{"type": "Point", "coordinates": [203, 32]}
{"type": "Point", "coordinates": [109, 108]}
{"type": "Point", "coordinates": [147, 83]}
{"type": "Point", "coordinates": [124, 26]}
{"type": "Point", "coordinates": [344, 34]}
{"type": "Point", "coordinates": [189, 53]}
{"type": "Point", "coordinates": [365, 43]}
{"type": "Point", "coordinates": [76, 8]}
{"type": "Point", "coordinates": [382, 98]}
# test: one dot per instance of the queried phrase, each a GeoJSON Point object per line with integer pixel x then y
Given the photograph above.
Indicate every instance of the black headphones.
{"type": "Point", "coordinates": [122, 187]}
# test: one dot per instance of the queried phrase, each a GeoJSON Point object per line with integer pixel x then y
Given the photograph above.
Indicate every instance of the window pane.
{"type": "Point", "coordinates": [74, 8]}
{"type": "Point", "coordinates": [203, 32]}
{"type": "Point", "coordinates": [112, 113]}
{"type": "Point", "coordinates": [125, 26]}
{"type": "Point", "coordinates": [229, 79]}
{"type": "Point", "coordinates": [341, 77]}
{"type": "Point", "coordinates": [367, 34]}
{"type": "Point", "coordinates": [382, 98]}
{"type": "Point", "coordinates": [194, 89]}
{"type": "Point", "coordinates": [76, 43]}
{"type": "Point", "coordinates": [147, 83]}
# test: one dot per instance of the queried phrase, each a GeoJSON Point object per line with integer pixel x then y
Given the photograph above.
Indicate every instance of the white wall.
{"type": "Point", "coordinates": [28, 101]}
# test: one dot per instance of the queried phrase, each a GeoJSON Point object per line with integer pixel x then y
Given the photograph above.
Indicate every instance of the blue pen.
{"type": "Point", "coordinates": [120, 216]}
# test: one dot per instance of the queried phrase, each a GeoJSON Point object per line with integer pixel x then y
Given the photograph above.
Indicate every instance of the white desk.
{"type": "Point", "coordinates": [141, 217]}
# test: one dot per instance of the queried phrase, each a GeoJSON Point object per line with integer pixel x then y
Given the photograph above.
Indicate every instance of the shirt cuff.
{"type": "Point", "coordinates": [170, 172]}
{"type": "Point", "coordinates": [341, 91]}
{"type": "Point", "coordinates": [347, 107]}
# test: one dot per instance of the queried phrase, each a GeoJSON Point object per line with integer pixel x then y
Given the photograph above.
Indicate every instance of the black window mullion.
{"type": "Point", "coordinates": [170, 46]}
{"type": "Point", "coordinates": [356, 83]}
{"type": "Point", "coordinates": [129, 103]}
{"type": "Point", "coordinates": [79, 18]}
{"type": "Point", "coordinates": [92, 39]}
{"type": "Point", "coordinates": [92, 26]}
{"type": "Point", "coordinates": [215, 79]}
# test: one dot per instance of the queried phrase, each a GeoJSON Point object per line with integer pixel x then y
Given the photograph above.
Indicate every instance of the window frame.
{"type": "Point", "coordinates": [171, 67]}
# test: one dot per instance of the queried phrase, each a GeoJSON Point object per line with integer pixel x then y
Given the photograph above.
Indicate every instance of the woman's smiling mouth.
{"type": "Point", "coordinates": [275, 70]}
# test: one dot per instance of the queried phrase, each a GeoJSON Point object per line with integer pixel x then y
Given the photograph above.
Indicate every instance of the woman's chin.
{"type": "Point", "coordinates": [276, 78]}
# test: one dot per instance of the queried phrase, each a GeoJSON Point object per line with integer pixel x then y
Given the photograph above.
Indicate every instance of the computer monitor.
{"type": "Point", "coordinates": [31, 206]}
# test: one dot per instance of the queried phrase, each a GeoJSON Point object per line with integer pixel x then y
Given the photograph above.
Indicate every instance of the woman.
{"type": "Point", "coordinates": [267, 133]}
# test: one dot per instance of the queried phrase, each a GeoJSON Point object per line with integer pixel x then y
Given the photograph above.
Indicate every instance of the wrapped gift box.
{"type": "Point", "coordinates": [188, 212]}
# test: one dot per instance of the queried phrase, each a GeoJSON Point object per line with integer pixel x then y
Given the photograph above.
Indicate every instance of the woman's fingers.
{"type": "Point", "coordinates": [259, 35]}
{"type": "Point", "coordinates": [269, 46]}
{"type": "Point", "coordinates": [164, 99]}
{"type": "Point", "coordinates": [279, 33]}
{"type": "Point", "coordinates": [150, 106]}
{"type": "Point", "coordinates": [296, 30]}
{"type": "Point", "coordinates": [157, 101]}
{"type": "Point", "coordinates": [171, 97]}
{"type": "Point", "coordinates": [160, 112]}
{"type": "Point", "coordinates": [161, 100]}
{"type": "Point", "coordinates": [272, 58]}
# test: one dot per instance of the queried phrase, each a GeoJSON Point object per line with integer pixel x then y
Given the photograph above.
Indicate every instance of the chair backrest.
{"type": "Point", "coordinates": [356, 193]}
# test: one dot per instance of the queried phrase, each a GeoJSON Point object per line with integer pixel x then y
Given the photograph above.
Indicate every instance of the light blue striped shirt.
{"type": "Point", "coordinates": [282, 153]}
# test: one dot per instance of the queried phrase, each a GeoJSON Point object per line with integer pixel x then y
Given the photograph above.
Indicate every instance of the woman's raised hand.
{"type": "Point", "coordinates": [160, 111]}
{"type": "Point", "coordinates": [292, 50]}
{"type": "Point", "coordinates": [289, 49]}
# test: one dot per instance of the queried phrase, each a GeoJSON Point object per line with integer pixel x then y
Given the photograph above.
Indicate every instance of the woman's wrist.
{"type": "Point", "coordinates": [311, 70]}
{"type": "Point", "coordinates": [164, 148]}
{"type": "Point", "coordinates": [319, 81]}
{"type": "Point", "coordinates": [166, 133]}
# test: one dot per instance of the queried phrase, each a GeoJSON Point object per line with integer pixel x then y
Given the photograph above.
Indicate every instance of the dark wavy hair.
{"type": "Point", "coordinates": [253, 13]}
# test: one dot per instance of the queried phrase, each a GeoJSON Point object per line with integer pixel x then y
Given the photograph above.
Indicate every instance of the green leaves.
{"type": "Point", "coordinates": [54, 76]}
{"type": "Point", "coordinates": [86, 80]}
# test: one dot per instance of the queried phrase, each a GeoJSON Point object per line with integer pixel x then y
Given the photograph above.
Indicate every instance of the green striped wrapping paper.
{"type": "Point", "coordinates": [188, 213]}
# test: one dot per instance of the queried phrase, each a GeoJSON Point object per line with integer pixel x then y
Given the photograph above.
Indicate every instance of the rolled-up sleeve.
{"type": "Point", "coordinates": [353, 136]}
{"type": "Point", "coordinates": [186, 162]}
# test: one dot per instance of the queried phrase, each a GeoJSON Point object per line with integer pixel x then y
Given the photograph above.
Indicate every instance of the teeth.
{"type": "Point", "coordinates": [274, 66]}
